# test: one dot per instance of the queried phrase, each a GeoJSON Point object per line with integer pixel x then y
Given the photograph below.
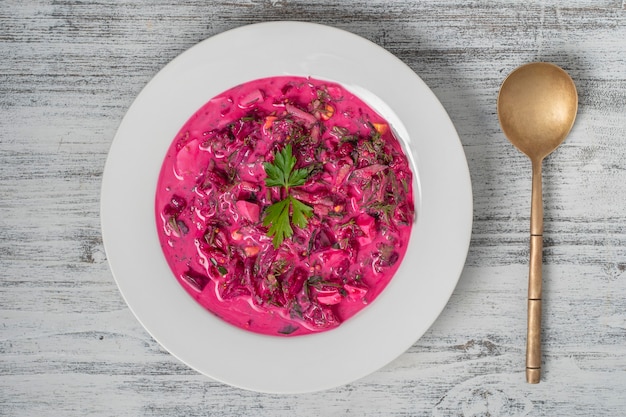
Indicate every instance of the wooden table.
{"type": "Point", "coordinates": [69, 345]}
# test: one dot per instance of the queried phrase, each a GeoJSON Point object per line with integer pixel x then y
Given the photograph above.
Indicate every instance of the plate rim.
{"type": "Point", "coordinates": [458, 178]}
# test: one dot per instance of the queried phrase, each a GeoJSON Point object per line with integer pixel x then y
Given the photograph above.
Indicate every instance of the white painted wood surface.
{"type": "Point", "coordinates": [69, 345]}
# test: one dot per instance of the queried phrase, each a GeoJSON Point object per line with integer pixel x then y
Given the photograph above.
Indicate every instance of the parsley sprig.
{"type": "Point", "coordinates": [282, 214]}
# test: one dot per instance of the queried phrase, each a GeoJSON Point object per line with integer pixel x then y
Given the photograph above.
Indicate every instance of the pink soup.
{"type": "Point", "coordinates": [284, 205]}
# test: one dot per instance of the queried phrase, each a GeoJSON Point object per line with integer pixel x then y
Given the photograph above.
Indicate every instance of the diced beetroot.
{"type": "Point", "coordinates": [342, 267]}
{"type": "Point", "coordinates": [320, 317]}
{"type": "Point", "coordinates": [355, 293]}
{"type": "Point", "coordinates": [334, 256]}
{"type": "Point", "coordinates": [232, 290]}
{"type": "Point", "coordinates": [329, 297]}
{"type": "Point", "coordinates": [331, 258]}
{"type": "Point", "coordinates": [248, 210]}
{"type": "Point", "coordinates": [321, 239]}
{"type": "Point", "coordinates": [367, 223]}
{"type": "Point", "coordinates": [176, 206]}
{"type": "Point", "coordinates": [214, 179]}
{"type": "Point", "coordinates": [345, 149]}
{"type": "Point", "coordinates": [195, 279]}
{"type": "Point", "coordinates": [249, 173]}
{"type": "Point", "coordinates": [250, 135]}
{"type": "Point", "coordinates": [237, 283]}
{"type": "Point", "coordinates": [293, 282]}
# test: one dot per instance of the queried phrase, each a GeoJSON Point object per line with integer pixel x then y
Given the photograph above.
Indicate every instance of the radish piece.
{"type": "Point", "coordinates": [188, 161]}
{"type": "Point", "coordinates": [248, 210]}
{"type": "Point", "coordinates": [300, 114]}
{"type": "Point", "coordinates": [255, 96]}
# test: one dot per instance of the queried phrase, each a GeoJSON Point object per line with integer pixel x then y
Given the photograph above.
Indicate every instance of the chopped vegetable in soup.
{"type": "Point", "coordinates": [284, 205]}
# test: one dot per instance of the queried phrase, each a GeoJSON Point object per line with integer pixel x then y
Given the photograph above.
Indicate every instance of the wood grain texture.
{"type": "Point", "coordinates": [70, 69]}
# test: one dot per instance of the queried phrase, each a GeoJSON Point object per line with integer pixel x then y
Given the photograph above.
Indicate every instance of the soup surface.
{"type": "Point", "coordinates": [284, 205]}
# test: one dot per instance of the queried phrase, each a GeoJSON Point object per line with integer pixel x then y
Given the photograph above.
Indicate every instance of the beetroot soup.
{"type": "Point", "coordinates": [284, 205]}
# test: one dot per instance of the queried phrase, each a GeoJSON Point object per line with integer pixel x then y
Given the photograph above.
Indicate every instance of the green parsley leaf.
{"type": "Point", "coordinates": [280, 173]}
{"type": "Point", "coordinates": [277, 217]}
{"type": "Point", "coordinates": [300, 212]}
{"type": "Point", "coordinates": [281, 215]}
{"type": "Point", "coordinates": [275, 176]}
{"type": "Point", "coordinates": [298, 177]}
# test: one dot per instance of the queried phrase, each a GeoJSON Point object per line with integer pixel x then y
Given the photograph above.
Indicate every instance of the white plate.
{"type": "Point", "coordinates": [379, 333]}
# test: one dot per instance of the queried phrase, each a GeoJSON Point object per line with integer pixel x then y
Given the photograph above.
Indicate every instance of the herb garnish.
{"type": "Point", "coordinates": [281, 173]}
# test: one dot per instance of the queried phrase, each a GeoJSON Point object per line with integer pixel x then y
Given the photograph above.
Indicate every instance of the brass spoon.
{"type": "Point", "coordinates": [537, 106]}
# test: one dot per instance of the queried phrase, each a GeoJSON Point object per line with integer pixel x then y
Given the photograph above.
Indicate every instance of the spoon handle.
{"type": "Point", "coordinates": [533, 339]}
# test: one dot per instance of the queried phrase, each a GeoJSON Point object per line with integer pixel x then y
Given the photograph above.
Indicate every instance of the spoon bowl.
{"type": "Point", "coordinates": [537, 106]}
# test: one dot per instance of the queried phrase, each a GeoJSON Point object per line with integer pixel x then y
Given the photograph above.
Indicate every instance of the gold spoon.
{"type": "Point", "coordinates": [537, 106]}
